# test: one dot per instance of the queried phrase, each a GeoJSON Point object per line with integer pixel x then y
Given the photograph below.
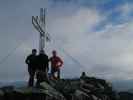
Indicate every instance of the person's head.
{"type": "Point", "coordinates": [34, 51]}
{"type": "Point", "coordinates": [83, 74]}
{"type": "Point", "coordinates": [54, 52]}
{"type": "Point", "coordinates": [42, 52]}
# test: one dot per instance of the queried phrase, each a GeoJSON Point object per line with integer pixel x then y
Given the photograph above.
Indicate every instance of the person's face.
{"type": "Point", "coordinates": [42, 52]}
{"type": "Point", "coordinates": [34, 52]}
{"type": "Point", "coordinates": [54, 53]}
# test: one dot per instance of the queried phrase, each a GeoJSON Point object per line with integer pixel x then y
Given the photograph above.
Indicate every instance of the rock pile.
{"type": "Point", "coordinates": [86, 88]}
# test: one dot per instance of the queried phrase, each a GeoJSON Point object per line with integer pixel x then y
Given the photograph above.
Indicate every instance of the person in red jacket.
{"type": "Point", "coordinates": [56, 64]}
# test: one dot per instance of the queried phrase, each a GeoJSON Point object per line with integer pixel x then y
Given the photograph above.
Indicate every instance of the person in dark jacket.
{"type": "Point", "coordinates": [31, 62]}
{"type": "Point", "coordinates": [42, 68]}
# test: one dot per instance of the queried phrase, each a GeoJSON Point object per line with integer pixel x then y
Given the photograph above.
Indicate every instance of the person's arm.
{"type": "Point", "coordinates": [27, 60]}
{"type": "Point", "coordinates": [47, 64]}
{"type": "Point", "coordinates": [49, 60]}
{"type": "Point", "coordinates": [60, 61]}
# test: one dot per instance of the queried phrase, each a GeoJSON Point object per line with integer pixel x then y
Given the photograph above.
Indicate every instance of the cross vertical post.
{"type": "Point", "coordinates": [39, 23]}
{"type": "Point", "coordinates": [42, 34]}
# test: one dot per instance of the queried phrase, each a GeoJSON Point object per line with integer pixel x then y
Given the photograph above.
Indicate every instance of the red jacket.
{"type": "Point", "coordinates": [56, 62]}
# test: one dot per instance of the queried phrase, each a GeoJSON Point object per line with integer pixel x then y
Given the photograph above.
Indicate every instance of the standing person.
{"type": "Point", "coordinates": [42, 69]}
{"type": "Point", "coordinates": [56, 63]}
{"type": "Point", "coordinates": [31, 62]}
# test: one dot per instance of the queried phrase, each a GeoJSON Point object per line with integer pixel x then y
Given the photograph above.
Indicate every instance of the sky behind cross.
{"type": "Point", "coordinates": [97, 33]}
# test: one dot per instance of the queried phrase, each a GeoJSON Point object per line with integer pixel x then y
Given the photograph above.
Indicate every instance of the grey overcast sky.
{"type": "Point", "coordinates": [98, 34]}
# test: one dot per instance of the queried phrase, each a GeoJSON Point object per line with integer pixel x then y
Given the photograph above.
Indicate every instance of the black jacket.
{"type": "Point", "coordinates": [42, 62]}
{"type": "Point", "coordinates": [31, 60]}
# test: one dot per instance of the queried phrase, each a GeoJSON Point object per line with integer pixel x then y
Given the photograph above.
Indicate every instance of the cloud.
{"type": "Point", "coordinates": [107, 50]}
{"type": "Point", "coordinates": [84, 3]}
{"type": "Point", "coordinates": [78, 23]}
{"type": "Point", "coordinates": [126, 11]}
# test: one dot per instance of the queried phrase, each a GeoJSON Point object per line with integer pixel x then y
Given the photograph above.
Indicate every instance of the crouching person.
{"type": "Point", "coordinates": [42, 69]}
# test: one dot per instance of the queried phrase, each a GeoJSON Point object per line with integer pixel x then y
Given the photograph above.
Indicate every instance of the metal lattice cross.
{"type": "Point", "coordinates": [39, 24]}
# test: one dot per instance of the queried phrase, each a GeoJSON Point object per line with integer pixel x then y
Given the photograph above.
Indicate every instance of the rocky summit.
{"type": "Point", "coordinates": [84, 88]}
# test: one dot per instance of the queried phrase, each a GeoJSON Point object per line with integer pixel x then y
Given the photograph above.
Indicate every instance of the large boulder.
{"type": "Point", "coordinates": [53, 93]}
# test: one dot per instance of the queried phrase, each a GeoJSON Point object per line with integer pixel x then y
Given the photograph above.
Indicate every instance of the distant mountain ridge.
{"type": "Point", "coordinates": [117, 85]}
{"type": "Point", "coordinates": [15, 84]}
{"type": "Point", "coordinates": [123, 85]}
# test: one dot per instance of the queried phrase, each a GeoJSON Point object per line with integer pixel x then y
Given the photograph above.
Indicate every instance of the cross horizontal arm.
{"type": "Point", "coordinates": [36, 24]}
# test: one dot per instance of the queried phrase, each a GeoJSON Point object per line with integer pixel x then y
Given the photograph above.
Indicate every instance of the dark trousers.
{"type": "Point", "coordinates": [53, 71]}
{"type": "Point", "coordinates": [41, 77]}
{"type": "Point", "coordinates": [31, 76]}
